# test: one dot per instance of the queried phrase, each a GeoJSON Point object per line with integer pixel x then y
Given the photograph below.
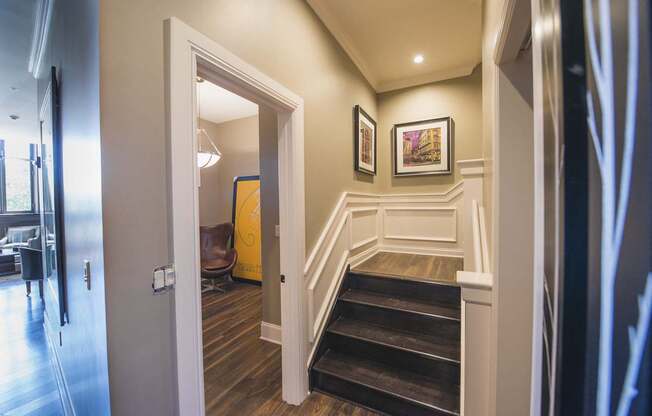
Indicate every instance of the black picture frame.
{"type": "Point", "coordinates": [358, 115]}
{"type": "Point", "coordinates": [448, 152]}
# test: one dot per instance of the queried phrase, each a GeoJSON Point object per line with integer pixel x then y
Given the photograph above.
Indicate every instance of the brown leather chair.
{"type": "Point", "coordinates": [217, 260]}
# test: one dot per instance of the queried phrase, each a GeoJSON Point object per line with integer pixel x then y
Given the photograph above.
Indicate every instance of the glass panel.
{"type": "Point", "coordinates": [17, 149]}
{"type": "Point", "coordinates": [19, 185]}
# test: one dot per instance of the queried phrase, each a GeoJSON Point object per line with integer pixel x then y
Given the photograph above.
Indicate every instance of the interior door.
{"type": "Point", "coordinates": [597, 182]}
{"type": "Point", "coordinates": [49, 180]}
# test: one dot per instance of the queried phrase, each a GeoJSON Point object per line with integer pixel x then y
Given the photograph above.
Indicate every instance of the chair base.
{"type": "Point", "coordinates": [215, 284]}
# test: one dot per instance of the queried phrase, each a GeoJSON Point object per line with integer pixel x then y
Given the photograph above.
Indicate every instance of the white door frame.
{"type": "Point", "coordinates": [186, 49]}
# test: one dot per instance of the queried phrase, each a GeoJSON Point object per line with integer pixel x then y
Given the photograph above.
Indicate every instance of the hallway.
{"type": "Point", "coordinates": [242, 373]}
{"type": "Point", "coordinates": [27, 382]}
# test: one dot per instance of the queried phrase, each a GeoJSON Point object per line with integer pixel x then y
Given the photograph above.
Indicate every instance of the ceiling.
{"type": "Point", "coordinates": [382, 37]}
{"type": "Point", "coordinates": [219, 105]}
{"type": "Point", "coordinates": [17, 86]}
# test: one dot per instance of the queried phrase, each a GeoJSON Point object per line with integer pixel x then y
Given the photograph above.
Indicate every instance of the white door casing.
{"type": "Point", "coordinates": [187, 51]}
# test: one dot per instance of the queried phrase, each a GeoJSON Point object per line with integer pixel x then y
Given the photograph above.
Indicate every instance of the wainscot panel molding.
{"type": "Point", "coordinates": [363, 224]}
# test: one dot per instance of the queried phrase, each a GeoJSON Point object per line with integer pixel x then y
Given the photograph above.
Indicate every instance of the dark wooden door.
{"type": "Point", "coordinates": [597, 153]}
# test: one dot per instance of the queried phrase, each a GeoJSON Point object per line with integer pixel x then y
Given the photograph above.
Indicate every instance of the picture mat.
{"type": "Point", "coordinates": [443, 166]}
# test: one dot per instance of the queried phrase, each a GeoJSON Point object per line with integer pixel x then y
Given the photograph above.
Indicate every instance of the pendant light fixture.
{"type": "Point", "coordinates": [209, 155]}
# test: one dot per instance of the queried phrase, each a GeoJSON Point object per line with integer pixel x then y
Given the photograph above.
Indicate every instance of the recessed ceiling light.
{"type": "Point", "coordinates": [418, 59]}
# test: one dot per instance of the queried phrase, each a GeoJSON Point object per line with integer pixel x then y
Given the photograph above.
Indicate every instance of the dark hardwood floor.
{"type": "Point", "coordinates": [415, 266]}
{"type": "Point", "coordinates": [27, 382]}
{"type": "Point", "coordinates": [242, 373]}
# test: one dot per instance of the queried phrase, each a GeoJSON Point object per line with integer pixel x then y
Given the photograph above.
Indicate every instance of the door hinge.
{"type": "Point", "coordinates": [282, 278]}
{"type": "Point", "coordinates": [163, 279]}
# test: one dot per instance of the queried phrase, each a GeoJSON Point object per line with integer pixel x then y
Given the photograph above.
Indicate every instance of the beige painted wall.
{"type": "Point", "coordinates": [459, 98]}
{"type": "Point", "coordinates": [237, 140]}
{"type": "Point", "coordinates": [270, 247]}
{"type": "Point", "coordinates": [282, 38]}
{"type": "Point", "coordinates": [514, 236]}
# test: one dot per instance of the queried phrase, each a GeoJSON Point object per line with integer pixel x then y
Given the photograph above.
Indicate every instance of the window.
{"type": "Point", "coordinates": [17, 179]}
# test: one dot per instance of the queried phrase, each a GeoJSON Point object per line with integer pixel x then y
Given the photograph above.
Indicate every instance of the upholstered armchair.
{"type": "Point", "coordinates": [31, 268]}
{"type": "Point", "coordinates": [17, 237]}
{"type": "Point", "coordinates": [217, 260]}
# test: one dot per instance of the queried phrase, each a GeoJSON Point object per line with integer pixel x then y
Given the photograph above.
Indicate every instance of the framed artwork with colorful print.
{"type": "Point", "coordinates": [423, 147]}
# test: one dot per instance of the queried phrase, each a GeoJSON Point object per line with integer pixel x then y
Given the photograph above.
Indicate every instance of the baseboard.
{"type": "Point", "coordinates": [64, 392]}
{"type": "Point", "coordinates": [363, 256]}
{"type": "Point", "coordinates": [270, 332]}
{"type": "Point", "coordinates": [248, 281]}
{"type": "Point", "coordinates": [425, 251]}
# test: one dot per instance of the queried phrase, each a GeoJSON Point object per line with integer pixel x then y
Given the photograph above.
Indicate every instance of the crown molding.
{"type": "Point", "coordinates": [341, 36]}
{"type": "Point", "coordinates": [435, 76]}
{"type": "Point", "coordinates": [338, 32]}
{"type": "Point", "coordinates": [42, 19]}
{"type": "Point", "coordinates": [513, 28]}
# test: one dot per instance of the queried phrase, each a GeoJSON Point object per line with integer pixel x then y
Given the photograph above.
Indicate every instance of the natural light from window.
{"type": "Point", "coordinates": [17, 177]}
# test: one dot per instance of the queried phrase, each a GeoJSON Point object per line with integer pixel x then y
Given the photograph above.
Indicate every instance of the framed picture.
{"type": "Point", "coordinates": [365, 141]}
{"type": "Point", "coordinates": [423, 147]}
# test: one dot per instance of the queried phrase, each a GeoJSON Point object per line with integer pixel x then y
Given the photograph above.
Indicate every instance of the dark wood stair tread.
{"type": "Point", "coordinates": [397, 383]}
{"type": "Point", "coordinates": [401, 303]}
{"type": "Point", "coordinates": [430, 346]}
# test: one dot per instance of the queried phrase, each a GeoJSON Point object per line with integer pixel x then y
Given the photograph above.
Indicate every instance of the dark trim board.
{"type": "Point", "coordinates": [247, 281]}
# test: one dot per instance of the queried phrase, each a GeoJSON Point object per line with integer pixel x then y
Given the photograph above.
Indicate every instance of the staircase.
{"type": "Point", "coordinates": [392, 345]}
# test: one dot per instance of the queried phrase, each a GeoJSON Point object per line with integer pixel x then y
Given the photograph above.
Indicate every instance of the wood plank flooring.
{"type": "Point", "coordinates": [242, 374]}
{"type": "Point", "coordinates": [442, 269]}
{"type": "Point", "coordinates": [27, 382]}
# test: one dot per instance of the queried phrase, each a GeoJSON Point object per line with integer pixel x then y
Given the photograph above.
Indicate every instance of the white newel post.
{"type": "Point", "coordinates": [472, 172]}
{"type": "Point", "coordinates": [475, 340]}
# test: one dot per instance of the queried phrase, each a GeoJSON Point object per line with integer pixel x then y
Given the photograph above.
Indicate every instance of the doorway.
{"type": "Point", "coordinates": [191, 53]}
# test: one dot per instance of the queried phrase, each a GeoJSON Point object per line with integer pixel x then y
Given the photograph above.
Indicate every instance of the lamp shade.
{"type": "Point", "coordinates": [207, 159]}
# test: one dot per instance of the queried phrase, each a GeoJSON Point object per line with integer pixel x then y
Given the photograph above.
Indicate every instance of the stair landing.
{"type": "Point", "coordinates": [415, 266]}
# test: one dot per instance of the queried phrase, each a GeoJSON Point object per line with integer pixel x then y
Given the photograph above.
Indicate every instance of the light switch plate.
{"type": "Point", "coordinates": [163, 279]}
{"type": "Point", "coordinates": [159, 280]}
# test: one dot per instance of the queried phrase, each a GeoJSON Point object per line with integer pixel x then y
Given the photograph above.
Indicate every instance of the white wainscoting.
{"type": "Point", "coordinates": [427, 223]}
{"type": "Point", "coordinates": [363, 224]}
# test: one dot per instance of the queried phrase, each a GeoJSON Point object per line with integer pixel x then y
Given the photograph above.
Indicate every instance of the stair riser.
{"type": "Point", "coordinates": [370, 398]}
{"type": "Point", "coordinates": [440, 293]}
{"type": "Point", "coordinates": [447, 372]}
{"type": "Point", "coordinates": [405, 321]}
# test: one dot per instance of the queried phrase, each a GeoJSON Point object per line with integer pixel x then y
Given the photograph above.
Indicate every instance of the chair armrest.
{"type": "Point", "coordinates": [34, 243]}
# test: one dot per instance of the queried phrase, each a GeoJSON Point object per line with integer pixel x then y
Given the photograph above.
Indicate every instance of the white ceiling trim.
{"type": "Point", "coordinates": [338, 32]}
{"type": "Point", "coordinates": [40, 35]}
{"type": "Point", "coordinates": [344, 40]}
{"type": "Point", "coordinates": [462, 71]}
